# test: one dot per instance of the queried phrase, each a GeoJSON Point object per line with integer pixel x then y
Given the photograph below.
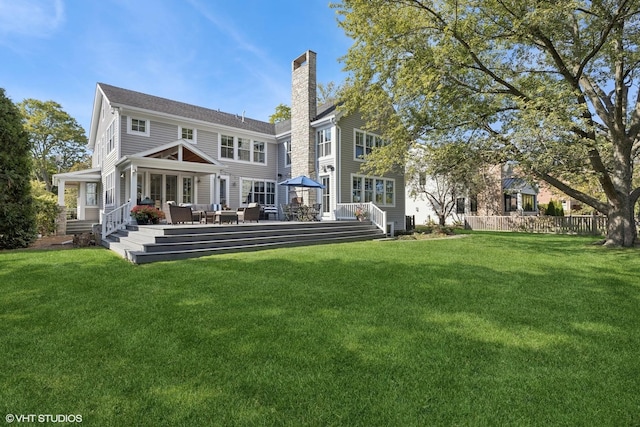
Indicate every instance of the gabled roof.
{"type": "Point", "coordinates": [190, 153]}
{"type": "Point", "coordinates": [179, 155]}
{"type": "Point", "coordinates": [119, 97]}
{"type": "Point", "coordinates": [517, 185]}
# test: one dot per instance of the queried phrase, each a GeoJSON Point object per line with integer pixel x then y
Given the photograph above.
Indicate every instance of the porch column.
{"type": "Point", "coordinates": [61, 184]}
{"type": "Point", "coordinates": [61, 220]}
{"type": "Point", "coordinates": [133, 186]}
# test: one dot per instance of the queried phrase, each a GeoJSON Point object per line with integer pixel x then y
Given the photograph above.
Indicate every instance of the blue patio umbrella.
{"type": "Point", "coordinates": [302, 181]}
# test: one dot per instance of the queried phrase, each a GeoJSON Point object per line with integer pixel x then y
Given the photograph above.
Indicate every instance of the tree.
{"type": "Point", "coordinates": [57, 140]}
{"type": "Point", "coordinates": [17, 215]}
{"type": "Point", "coordinates": [443, 175]}
{"type": "Point", "coordinates": [283, 112]}
{"type": "Point", "coordinates": [551, 85]}
{"type": "Point", "coordinates": [327, 92]}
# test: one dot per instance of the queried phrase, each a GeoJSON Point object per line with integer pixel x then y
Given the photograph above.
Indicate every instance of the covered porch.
{"type": "Point", "coordinates": [177, 172]}
{"type": "Point", "coordinates": [82, 202]}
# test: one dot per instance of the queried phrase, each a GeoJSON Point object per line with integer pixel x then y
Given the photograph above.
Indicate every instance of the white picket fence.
{"type": "Point", "coordinates": [575, 224]}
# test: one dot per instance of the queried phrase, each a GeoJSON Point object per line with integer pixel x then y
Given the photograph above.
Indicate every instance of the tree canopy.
{"type": "Point", "coordinates": [282, 113]}
{"type": "Point", "coordinates": [551, 85]}
{"type": "Point", "coordinates": [17, 215]}
{"type": "Point", "coordinates": [57, 140]}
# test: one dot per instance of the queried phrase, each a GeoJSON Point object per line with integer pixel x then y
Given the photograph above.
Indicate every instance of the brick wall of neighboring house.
{"type": "Point", "coordinates": [491, 201]}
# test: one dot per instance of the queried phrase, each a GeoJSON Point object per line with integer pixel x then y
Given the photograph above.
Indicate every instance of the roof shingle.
{"type": "Point", "coordinates": [124, 97]}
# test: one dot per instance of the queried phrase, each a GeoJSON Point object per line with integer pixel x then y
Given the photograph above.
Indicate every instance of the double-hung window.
{"type": "Point", "coordinates": [110, 137]}
{"type": "Point", "coordinates": [244, 149]}
{"type": "Point", "coordinates": [365, 189]}
{"type": "Point", "coordinates": [226, 147]}
{"type": "Point", "coordinates": [92, 194]}
{"type": "Point", "coordinates": [258, 152]}
{"type": "Point", "coordinates": [287, 153]}
{"type": "Point", "coordinates": [110, 184]}
{"type": "Point", "coordinates": [365, 143]}
{"type": "Point", "coordinates": [324, 142]}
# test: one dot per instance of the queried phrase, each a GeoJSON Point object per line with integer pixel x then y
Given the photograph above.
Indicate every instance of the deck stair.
{"type": "Point", "coordinates": [75, 226]}
{"type": "Point", "coordinates": [144, 244]}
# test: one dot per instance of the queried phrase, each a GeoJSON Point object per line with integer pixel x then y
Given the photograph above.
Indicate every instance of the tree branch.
{"type": "Point", "coordinates": [571, 192]}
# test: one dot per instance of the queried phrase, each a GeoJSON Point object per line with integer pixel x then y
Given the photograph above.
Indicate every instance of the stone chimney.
{"type": "Point", "coordinates": [303, 110]}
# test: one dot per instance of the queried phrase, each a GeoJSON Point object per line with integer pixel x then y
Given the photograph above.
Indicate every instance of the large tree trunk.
{"type": "Point", "coordinates": [621, 230]}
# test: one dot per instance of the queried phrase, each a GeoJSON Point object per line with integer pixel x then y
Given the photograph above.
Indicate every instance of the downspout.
{"type": "Point", "coordinates": [338, 162]}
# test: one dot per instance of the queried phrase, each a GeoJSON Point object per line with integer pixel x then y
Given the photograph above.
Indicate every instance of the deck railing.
{"type": "Point", "coordinates": [116, 220]}
{"type": "Point", "coordinates": [347, 211]}
{"type": "Point", "coordinates": [576, 224]}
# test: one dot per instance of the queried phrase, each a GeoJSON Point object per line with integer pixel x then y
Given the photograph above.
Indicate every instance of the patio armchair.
{"type": "Point", "coordinates": [176, 214]}
{"type": "Point", "coordinates": [250, 213]}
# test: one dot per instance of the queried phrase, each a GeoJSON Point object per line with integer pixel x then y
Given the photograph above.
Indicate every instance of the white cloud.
{"type": "Point", "coordinates": [34, 18]}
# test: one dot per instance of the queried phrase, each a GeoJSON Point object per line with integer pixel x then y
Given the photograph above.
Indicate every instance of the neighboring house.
{"type": "Point", "coordinates": [569, 204]}
{"type": "Point", "coordinates": [150, 147]}
{"type": "Point", "coordinates": [505, 194]}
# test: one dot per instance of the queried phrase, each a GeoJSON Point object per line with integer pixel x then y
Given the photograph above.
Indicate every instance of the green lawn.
{"type": "Point", "coordinates": [490, 329]}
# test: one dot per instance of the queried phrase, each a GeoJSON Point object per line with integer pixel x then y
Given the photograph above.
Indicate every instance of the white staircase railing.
{"type": "Point", "coordinates": [347, 211]}
{"type": "Point", "coordinates": [116, 220]}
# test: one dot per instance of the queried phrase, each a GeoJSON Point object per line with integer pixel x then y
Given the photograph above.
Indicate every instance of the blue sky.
{"type": "Point", "coordinates": [232, 55]}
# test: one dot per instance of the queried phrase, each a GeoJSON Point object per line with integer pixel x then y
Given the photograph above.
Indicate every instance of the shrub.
{"type": "Point", "coordinates": [46, 207]}
{"type": "Point", "coordinates": [17, 215]}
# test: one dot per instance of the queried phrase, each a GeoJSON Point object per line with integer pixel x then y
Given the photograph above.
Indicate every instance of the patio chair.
{"type": "Point", "coordinates": [250, 213]}
{"type": "Point", "coordinates": [287, 212]}
{"type": "Point", "coordinates": [176, 214]}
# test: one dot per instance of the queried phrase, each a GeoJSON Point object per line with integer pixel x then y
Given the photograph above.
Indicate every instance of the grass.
{"type": "Point", "coordinates": [491, 329]}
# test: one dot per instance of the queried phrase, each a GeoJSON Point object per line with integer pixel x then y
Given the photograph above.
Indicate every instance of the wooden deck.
{"type": "Point", "coordinates": [149, 243]}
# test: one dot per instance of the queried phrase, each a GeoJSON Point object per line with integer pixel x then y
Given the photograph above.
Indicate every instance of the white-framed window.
{"type": "Point", "coordinates": [187, 189]}
{"type": "Point", "coordinates": [364, 143]}
{"type": "Point", "coordinates": [258, 152]}
{"type": "Point", "coordinates": [365, 189]}
{"type": "Point", "coordinates": [227, 148]}
{"type": "Point", "coordinates": [189, 134]}
{"type": "Point", "coordinates": [323, 139]}
{"type": "Point", "coordinates": [287, 153]}
{"type": "Point", "coordinates": [110, 185]}
{"type": "Point", "coordinates": [244, 149]}
{"type": "Point", "coordinates": [258, 191]}
{"type": "Point", "coordinates": [110, 137]}
{"type": "Point", "coordinates": [92, 194]}
{"type": "Point", "coordinates": [136, 126]}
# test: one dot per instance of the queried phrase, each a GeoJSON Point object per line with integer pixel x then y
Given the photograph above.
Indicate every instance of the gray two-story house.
{"type": "Point", "coordinates": [147, 147]}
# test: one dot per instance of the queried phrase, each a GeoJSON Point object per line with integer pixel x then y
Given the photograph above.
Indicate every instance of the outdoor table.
{"type": "Point", "coordinates": [222, 216]}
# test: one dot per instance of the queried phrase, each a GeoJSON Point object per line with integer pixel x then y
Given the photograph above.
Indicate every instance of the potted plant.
{"type": "Point", "coordinates": [144, 214]}
{"type": "Point", "coordinates": [361, 213]}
